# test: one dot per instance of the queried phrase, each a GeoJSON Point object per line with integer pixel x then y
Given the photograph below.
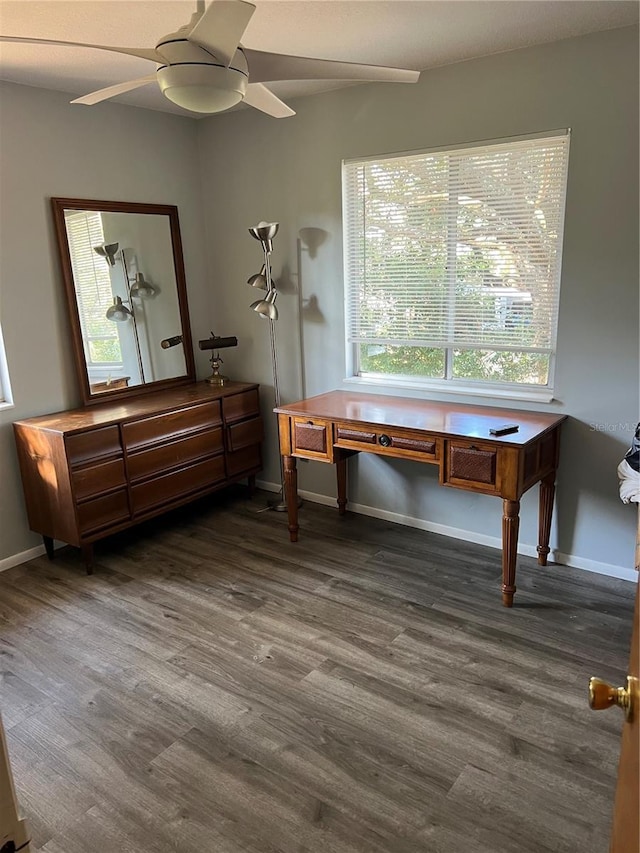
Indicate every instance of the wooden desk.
{"type": "Point", "coordinates": [334, 426]}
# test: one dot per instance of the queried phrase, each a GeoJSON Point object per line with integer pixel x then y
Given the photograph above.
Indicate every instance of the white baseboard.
{"type": "Point", "coordinates": [576, 562]}
{"type": "Point", "coordinates": [22, 557]}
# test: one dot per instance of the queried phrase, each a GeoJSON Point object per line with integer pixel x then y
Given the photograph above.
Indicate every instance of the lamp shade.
{"type": "Point", "coordinates": [259, 279]}
{"type": "Point", "coordinates": [108, 252]}
{"type": "Point", "coordinates": [141, 287]}
{"type": "Point", "coordinates": [265, 232]}
{"type": "Point", "coordinates": [266, 307]}
{"type": "Point", "coordinates": [202, 88]}
{"type": "Point", "coordinates": [118, 311]}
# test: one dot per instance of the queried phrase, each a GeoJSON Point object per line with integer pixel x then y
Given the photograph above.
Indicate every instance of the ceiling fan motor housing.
{"type": "Point", "coordinates": [196, 80]}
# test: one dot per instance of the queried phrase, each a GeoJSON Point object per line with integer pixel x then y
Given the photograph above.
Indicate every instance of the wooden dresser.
{"type": "Point", "coordinates": [90, 472]}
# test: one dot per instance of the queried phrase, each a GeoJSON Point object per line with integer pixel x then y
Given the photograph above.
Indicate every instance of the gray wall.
{"type": "Point", "coordinates": [257, 168]}
{"type": "Point", "coordinates": [50, 148]}
{"type": "Point", "coordinates": [252, 167]}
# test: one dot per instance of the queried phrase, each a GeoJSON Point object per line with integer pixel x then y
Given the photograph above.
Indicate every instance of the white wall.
{"type": "Point", "coordinates": [50, 148]}
{"type": "Point", "coordinates": [289, 171]}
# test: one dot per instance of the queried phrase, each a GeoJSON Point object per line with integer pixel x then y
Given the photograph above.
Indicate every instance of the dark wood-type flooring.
{"type": "Point", "coordinates": [214, 688]}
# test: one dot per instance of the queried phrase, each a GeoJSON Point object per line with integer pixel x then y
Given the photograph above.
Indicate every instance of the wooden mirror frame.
{"type": "Point", "coordinates": [59, 205]}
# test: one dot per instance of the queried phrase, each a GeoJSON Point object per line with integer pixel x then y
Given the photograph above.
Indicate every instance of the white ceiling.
{"type": "Point", "coordinates": [416, 34]}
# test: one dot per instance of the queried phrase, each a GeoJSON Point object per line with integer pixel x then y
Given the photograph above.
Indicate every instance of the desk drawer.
{"type": "Point", "coordinates": [173, 486]}
{"type": "Point", "coordinates": [156, 460]}
{"type": "Point", "coordinates": [472, 466]}
{"type": "Point", "coordinates": [170, 425]}
{"type": "Point", "coordinates": [388, 442]}
{"type": "Point", "coordinates": [311, 438]}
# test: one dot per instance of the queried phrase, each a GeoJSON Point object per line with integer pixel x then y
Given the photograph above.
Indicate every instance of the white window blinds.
{"type": "Point", "coordinates": [93, 288]}
{"type": "Point", "coordinates": [457, 250]}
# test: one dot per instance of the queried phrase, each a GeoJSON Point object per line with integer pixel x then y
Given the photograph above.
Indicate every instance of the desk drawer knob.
{"type": "Point", "coordinates": [384, 440]}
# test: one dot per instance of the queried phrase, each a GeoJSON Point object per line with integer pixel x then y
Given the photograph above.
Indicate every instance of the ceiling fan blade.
{"type": "Point", "coordinates": [141, 52]}
{"type": "Point", "coordinates": [263, 99]}
{"type": "Point", "coordinates": [112, 91]}
{"type": "Point", "coordinates": [221, 27]}
{"type": "Point", "coordinates": [278, 66]}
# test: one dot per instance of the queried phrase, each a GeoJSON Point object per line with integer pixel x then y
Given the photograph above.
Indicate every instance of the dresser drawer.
{"type": "Point", "coordinates": [170, 425]}
{"type": "Point", "coordinates": [93, 444]}
{"type": "Point", "coordinates": [101, 512]}
{"type": "Point", "coordinates": [96, 479]}
{"type": "Point", "coordinates": [155, 460]}
{"type": "Point", "coordinates": [472, 466]}
{"type": "Point", "coordinates": [244, 434]}
{"type": "Point", "coordinates": [240, 406]}
{"type": "Point", "coordinates": [247, 460]}
{"type": "Point", "coordinates": [170, 487]}
{"type": "Point", "coordinates": [311, 438]}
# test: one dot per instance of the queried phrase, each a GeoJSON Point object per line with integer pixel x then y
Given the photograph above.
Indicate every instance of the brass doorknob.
{"type": "Point", "coordinates": [603, 696]}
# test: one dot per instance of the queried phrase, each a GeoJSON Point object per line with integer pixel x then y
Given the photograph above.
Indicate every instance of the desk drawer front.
{"type": "Point", "coordinates": [155, 460]}
{"type": "Point", "coordinates": [170, 487]}
{"type": "Point", "coordinates": [170, 425]}
{"type": "Point", "coordinates": [388, 442]}
{"type": "Point", "coordinates": [310, 438]}
{"type": "Point", "coordinates": [93, 444]}
{"type": "Point", "coordinates": [95, 479]}
{"type": "Point", "coordinates": [471, 465]}
{"type": "Point", "coordinates": [102, 512]}
{"type": "Point", "coordinates": [241, 406]}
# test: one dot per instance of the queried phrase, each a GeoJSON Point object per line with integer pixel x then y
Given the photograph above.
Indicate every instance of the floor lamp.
{"type": "Point", "coordinates": [266, 308]}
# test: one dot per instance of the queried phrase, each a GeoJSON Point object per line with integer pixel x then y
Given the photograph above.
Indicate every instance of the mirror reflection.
{"type": "Point", "coordinates": [127, 297]}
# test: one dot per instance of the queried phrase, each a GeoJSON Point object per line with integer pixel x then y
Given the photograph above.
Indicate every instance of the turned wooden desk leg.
{"type": "Point", "coordinates": [547, 492]}
{"type": "Point", "coordinates": [48, 546]}
{"type": "Point", "coordinates": [341, 476]}
{"type": "Point", "coordinates": [510, 525]}
{"type": "Point", "coordinates": [87, 553]}
{"type": "Point", "coordinates": [291, 492]}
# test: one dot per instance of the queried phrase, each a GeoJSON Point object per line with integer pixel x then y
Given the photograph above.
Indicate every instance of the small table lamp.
{"type": "Point", "coordinates": [217, 343]}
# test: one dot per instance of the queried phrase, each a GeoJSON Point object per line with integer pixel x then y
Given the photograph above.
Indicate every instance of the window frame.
{"type": "Point", "coordinates": [449, 383]}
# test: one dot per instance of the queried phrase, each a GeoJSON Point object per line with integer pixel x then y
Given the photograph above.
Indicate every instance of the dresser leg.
{"type": "Point", "coordinates": [48, 546]}
{"type": "Point", "coordinates": [251, 484]}
{"type": "Point", "coordinates": [510, 525]}
{"type": "Point", "coordinates": [291, 492]}
{"type": "Point", "coordinates": [547, 493]}
{"type": "Point", "coordinates": [341, 476]}
{"type": "Point", "coordinates": [87, 553]}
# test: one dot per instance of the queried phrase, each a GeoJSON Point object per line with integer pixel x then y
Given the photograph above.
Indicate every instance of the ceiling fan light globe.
{"type": "Point", "coordinates": [205, 89]}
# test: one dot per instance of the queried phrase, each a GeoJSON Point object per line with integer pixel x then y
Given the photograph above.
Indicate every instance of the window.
{"type": "Point", "coordinates": [452, 265]}
{"type": "Point", "coordinates": [6, 398]}
{"type": "Point", "coordinates": [94, 292]}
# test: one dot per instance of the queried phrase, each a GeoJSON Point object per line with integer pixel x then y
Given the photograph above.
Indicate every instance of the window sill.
{"type": "Point", "coordinates": [531, 395]}
{"type": "Point", "coordinates": [6, 404]}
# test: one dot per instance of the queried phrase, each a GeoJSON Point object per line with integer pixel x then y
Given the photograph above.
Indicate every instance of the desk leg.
{"type": "Point", "coordinates": [510, 525]}
{"type": "Point", "coordinates": [341, 476]}
{"type": "Point", "coordinates": [547, 492]}
{"type": "Point", "coordinates": [291, 493]}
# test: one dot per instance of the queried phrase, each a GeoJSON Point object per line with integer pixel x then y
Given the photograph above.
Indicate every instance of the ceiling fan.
{"type": "Point", "coordinates": [203, 67]}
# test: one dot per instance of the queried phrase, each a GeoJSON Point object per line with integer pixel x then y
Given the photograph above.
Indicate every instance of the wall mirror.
{"type": "Point", "coordinates": [124, 278]}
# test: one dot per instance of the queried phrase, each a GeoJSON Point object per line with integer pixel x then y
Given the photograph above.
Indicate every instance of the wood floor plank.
{"type": "Point", "coordinates": [214, 687]}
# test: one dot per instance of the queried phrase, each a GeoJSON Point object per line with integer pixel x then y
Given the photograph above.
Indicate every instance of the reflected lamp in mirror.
{"type": "Point", "coordinates": [103, 247]}
{"type": "Point", "coordinates": [118, 312]}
